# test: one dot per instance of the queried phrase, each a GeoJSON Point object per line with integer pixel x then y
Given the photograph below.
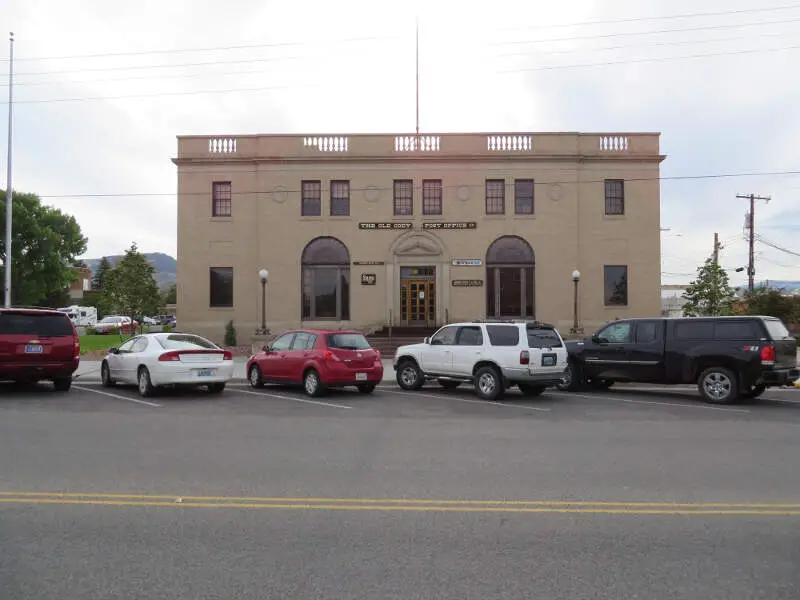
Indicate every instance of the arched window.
{"type": "Point", "coordinates": [510, 278]}
{"type": "Point", "coordinates": [325, 265]}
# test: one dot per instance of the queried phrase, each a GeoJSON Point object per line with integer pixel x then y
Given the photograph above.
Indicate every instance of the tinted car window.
{"type": "Point", "coordinates": [544, 337]}
{"type": "Point", "coordinates": [503, 335]}
{"type": "Point", "coordinates": [348, 341]}
{"type": "Point", "coordinates": [470, 336]}
{"type": "Point", "coordinates": [703, 330]}
{"type": "Point", "coordinates": [182, 341]}
{"type": "Point", "coordinates": [37, 325]}
{"type": "Point", "coordinates": [736, 330]}
{"type": "Point", "coordinates": [776, 329]}
{"type": "Point", "coordinates": [647, 331]}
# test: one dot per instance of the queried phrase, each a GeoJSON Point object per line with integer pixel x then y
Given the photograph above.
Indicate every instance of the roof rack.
{"type": "Point", "coordinates": [32, 307]}
{"type": "Point", "coordinates": [527, 322]}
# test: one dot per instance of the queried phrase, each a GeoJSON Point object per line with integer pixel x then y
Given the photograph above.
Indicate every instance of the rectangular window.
{"type": "Point", "coordinates": [495, 197]}
{"type": "Point", "coordinates": [311, 199]}
{"type": "Point", "coordinates": [326, 293]}
{"type": "Point", "coordinates": [615, 197]}
{"type": "Point", "coordinates": [736, 330]}
{"type": "Point", "coordinates": [616, 285]}
{"type": "Point", "coordinates": [523, 196]}
{"type": "Point", "coordinates": [340, 198]}
{"type": "Point", "coordinates": [221, 199]}
{"type": "Point", "coordinates": [431, 196]}
{"type": "Point", "coordinates": [503, 335]}
{"type": "Point", "coordinates": [403, 197]}
{"type": "Point", "coordinates": [694, 330]}
{"type": "Point", "coordinates": [220, 287]}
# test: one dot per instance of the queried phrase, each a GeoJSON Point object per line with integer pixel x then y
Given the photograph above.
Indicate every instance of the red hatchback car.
{"type": "Point", "coordinates": [37, 344]}
{"type": "Point", "coordinates": [318, 359]}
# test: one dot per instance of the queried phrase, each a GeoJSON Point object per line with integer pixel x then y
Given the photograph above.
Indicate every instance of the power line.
{"type": "Point", "coordinates": [387, 189]}
{"type": "Point", "coordinates": [326, 84]}
{"type": "Point", "coordinates": [776, 246]}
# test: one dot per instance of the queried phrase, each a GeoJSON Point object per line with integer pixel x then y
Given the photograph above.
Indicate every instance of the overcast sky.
{"type": "Point", "coordinates": [92, 132]}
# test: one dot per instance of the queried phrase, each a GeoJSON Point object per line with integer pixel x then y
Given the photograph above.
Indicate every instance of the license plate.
{"type": "Point", "coordinates": [361, 376]}
{"type": "Point", "coordinates": [206, 373]}
{"type": "Point", "coordinates": [548, 360]}
{"type": "Point", "coordinates": [33, 349]}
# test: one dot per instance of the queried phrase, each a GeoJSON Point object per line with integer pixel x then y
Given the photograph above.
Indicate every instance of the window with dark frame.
{"type": "Point", "coordinates": [403, 197]}
{"type": "Point", "coordinates": [431, 196]}
{"type": "Point", "coordinates": [616, 285]}
{"type": "Point", "coordinates": [495, 196]}
{"type": "Point", "coordinates": [220, 287]}
{"type": "Point", "coordinates": [311, 199]}
{"type": "Point", "coordinates": [615, 196]}
{"type": "Point", "coordinates": [340, 198]}
{"type": "Point", "coordinates": [325, 280]}
{"type": "Point", "coordinates": [221, 199]}
{"type": "Point", "coordinates": [523, 196]}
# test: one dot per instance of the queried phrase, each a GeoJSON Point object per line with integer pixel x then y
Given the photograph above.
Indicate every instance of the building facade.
{"type": "Point", "coordinates": [362, 231]}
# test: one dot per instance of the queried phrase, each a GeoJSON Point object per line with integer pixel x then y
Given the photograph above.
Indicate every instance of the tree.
{"type": "Point", "coordinates": [710, 294]}
{"type": "Point", "coordinates": [46, 243]}
{"type": "Point", "coordinates": [100, 273]}
{"type": "Point", "coordinates": [130, 288]}
{"type": "Point", "coordinates": [171, 297]}
{"type": "Point", "coordinates": [765, 301]}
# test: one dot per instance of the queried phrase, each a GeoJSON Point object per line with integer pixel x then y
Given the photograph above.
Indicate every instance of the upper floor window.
{"type": "Point", "coordinates": [523, 196]}
{"type": "Point", "coordinates": [221, 199]}
{"type": "Point", "coordinates": [432, 196]}
{"type": "Point", "coordinates": [403, 197]}
{"type": "Point", "coordinates": [311, 199]}
{"type": "Point", "coordinates": [615, 197]}
{"type": "Point", "coordinates": [616, 285]}
{"type": "Point", "coordinates": [340, 198]}
{"type": "Point", "coordinates": [220, 287]}
{"type": "Point", "coordinates": [495, 196]}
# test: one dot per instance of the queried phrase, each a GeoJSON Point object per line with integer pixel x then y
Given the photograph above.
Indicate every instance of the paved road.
{"type": "Point", "coordinates": [266, 494]}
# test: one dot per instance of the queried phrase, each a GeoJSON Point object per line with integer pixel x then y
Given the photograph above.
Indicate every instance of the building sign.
{"type": "Point", "coordinates": [368, 278]}
{"type": "Point", "coordinates": [467, 282]}
{"type": "Point", "coordinates": [467, 262]}
{"type": "Point", "coordinates": [389, 225]}
{"type": "Point", "coordinates": [461, 225]}
{"type": "Point", "coordinates": [369, 263]}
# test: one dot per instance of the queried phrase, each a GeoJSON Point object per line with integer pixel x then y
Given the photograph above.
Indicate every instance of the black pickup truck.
{"type": "Point", "coordinates": [727, 357]}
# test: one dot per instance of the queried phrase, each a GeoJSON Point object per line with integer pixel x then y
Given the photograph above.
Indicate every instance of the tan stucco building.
{"type": "Point", "coordinates": [363, 230]}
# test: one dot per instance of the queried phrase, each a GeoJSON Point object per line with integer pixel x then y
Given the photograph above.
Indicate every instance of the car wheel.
{"type": "Point", "coordinates": [409, 375]}
{"type": "Point", "coordinates": [216, 388]}
{"type": "Point", "coordinates": [105, 375]}
{"type": "Point", "coordinates": [312, 384]}
{"type": "Point", "coordinates": [146, 387]}
{"type": "Point", "coordinates": [718, 385]}
{"type": "Point", "coordinates": [488, 383]}
{"type": "Point", "coordinates": [63, 384]}
{"type": "Point", "coordinates": [571, 379]}
{"type": "Point", "coordinates": [531, 390]}
{"type": "Point", "coordinates": [366, 388]}
{"type": "Point", "coordinates": [255, 378]}
{"type": "Point", "coordinates": [449, 384]}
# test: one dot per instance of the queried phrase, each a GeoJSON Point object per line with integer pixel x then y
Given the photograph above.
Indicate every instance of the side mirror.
{"type": "Point", "coordinates": [427, 340]}
{"type": "Point", "coordinates": [265, 348]}
{"type": "Point", "coordinates": [113, 350]}
{"type": "Point", "coordinates": [599, 340]}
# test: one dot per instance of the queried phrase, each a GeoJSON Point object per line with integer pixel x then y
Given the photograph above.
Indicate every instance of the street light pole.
{"type": "Point", "coordinates": [9, 189]}
{"type": "Point", "coordinates": [576, 277]}
{"type": "Point", "coordinates": [263, 275]}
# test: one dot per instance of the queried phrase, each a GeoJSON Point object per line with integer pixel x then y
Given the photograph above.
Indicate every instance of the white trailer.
{"type": "Point", "coordinates": [81, 316]}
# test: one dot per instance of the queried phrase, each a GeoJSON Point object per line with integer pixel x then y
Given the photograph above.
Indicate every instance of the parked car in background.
{"type": "Point", "coordinates": [318, 359]}
{"type": "Point", "coordinates": [36, 345]}
{"type": "Point", "coordinates": [115, 323]}
{"type": "Point", "coordinates": [153, 360]}
{"type": "Point", "coordinates": [726, 357]}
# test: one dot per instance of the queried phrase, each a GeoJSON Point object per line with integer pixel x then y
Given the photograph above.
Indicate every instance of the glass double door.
{"type": "Point", "coordinates": [510, 292]}
{"type": "Point", "coordinates": [417, 302]}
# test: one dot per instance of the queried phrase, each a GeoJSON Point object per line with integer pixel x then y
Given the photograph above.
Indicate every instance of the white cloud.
{"type": "Point", "coordinates": [495, 69]}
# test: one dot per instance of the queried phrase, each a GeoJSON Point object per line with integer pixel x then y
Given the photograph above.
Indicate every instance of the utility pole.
{"type": "Point", "coordinates": [751, 225]}
{"type": "Point", "coordinates": [9, 188]}
{"type": "Point", "coordinates": [716, 249]}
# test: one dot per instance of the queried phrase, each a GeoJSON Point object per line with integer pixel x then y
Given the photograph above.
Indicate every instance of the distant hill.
{"type": "Point", "coordinates": [166, 267]}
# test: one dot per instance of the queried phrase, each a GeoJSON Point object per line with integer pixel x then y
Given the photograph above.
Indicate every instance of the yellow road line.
{"type": "Point", "coordinates": [171, 498]}
{"type": "Point", "coordinates": [405, 508]}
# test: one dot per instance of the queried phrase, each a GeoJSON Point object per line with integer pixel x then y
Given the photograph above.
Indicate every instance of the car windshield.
{"type": "Point", "coordinates": [180, 341]}
{"type": "Point", "coordinates": [543, 338]}
{"type": "Point", "coordinates": [348, 341]}
{"type": "Point", "coordinates": [39, 325]}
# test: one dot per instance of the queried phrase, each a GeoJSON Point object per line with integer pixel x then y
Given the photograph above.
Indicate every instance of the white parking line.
{"type": "Point", "coordinates": [291, 398]}
{"type": "Point", "coordinates": [629, 401]}
{"type": "Point", "coordinates": [484, 402]}
{"type": "Point", "coordinates": [118, 396]}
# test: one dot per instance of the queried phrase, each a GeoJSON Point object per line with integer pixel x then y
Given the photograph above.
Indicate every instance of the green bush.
{"type": "Point", "coordinates": [91, 331]}
{"type": "Point", "coordinates": [167, 329]}
{"type": "Point", "coordinates": [230, 334]}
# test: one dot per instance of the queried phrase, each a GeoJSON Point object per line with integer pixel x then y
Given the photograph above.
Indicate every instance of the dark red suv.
{"type": "Point", "coordinates": [37, 344]}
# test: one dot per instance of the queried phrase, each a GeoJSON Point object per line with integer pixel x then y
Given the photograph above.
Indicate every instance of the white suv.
{"type": "Point", "coordinates": [492, 355]}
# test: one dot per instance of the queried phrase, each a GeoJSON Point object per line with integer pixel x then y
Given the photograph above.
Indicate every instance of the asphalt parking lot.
{"type": "Point", "coordinates": [635, 492]}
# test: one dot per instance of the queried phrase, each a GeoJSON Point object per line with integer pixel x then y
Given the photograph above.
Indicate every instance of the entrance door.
{"type": "Point", "coordinates": [418, 302]}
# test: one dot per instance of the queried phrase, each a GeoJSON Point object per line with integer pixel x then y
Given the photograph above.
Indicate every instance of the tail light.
{"type": "Point", "coordinates": [170, 357]}
{"type": "Point", "coordinates": [76, 349]}
{"type": "Point", "coordinates": [227, 355]}
{"type": "Point", "coordinates": [768, 355]}
{"type": "Point", "coordinates": [524, 357]}
{"type": "Point", "coordinates": [330, 356]}
{"type": "Point", "coordinates": [377, 355]}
